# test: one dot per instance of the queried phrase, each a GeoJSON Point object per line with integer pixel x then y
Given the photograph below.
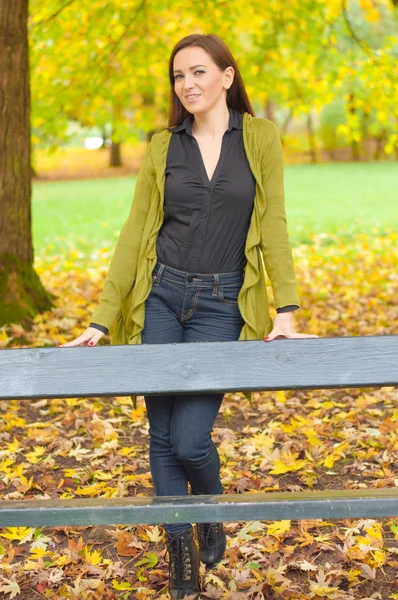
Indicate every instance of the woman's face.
{"type": "Point", "coordinates": [196, 74]}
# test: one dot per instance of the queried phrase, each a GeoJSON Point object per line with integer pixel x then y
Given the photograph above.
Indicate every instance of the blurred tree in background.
{"type": "Point", "coordinates": [102, 62]}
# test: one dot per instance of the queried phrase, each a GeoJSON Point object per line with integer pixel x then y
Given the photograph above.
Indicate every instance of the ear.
{"type": "Point", "coordinates": [228, 77]}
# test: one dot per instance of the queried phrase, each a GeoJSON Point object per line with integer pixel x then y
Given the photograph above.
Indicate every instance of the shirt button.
{"type": "Point", "coordinates": [209, 189]}
{"type": "Point", "coordinates": [204, 215]}
{"type": "Point", "coordinates": [195, 258]}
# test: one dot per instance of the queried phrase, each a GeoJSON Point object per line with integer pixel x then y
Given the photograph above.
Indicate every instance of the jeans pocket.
{"type": "Point", "coordinates": [229, 294]}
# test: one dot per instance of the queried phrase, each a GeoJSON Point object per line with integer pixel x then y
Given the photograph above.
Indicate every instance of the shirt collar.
{"type": "Point", "coordinates": [235, 122]}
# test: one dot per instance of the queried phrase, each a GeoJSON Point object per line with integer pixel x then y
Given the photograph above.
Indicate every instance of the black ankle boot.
{"type": "Point", "coordinates": [183, 565]}
{"type": "Point", "coordinates": [212, 543]}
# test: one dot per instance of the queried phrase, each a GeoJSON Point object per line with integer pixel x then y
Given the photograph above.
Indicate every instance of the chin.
{"type": "Point", "coordinates": [195, 110]}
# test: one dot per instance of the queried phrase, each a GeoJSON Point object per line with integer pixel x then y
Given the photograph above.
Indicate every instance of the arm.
{"type": "Point", "coordinates": [275, 246]}
{"type": "Point", "coordinates": [123, 266]}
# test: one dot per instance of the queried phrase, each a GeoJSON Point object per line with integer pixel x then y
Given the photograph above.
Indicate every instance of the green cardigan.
{"type": "Point", "coordinates": [121, 307]}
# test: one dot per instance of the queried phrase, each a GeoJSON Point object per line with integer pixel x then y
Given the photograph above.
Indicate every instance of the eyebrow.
{"type": "Point", "coordinates": [194, 67]}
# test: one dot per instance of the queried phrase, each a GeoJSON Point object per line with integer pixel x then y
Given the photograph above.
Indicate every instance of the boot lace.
{"type": "Point", "coordinates": [180, 565]}
{"type": "Point", "coordinates": [208, 533]}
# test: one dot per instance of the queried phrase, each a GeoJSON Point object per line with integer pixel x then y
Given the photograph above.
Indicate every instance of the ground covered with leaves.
{"type": "Point", "coordinates": [287, 441]}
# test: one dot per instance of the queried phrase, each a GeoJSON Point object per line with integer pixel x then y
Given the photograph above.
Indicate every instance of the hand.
{"type": "Point", "coordinates": [284, 326]}
{"type": "Point", "coordinates": [90, 337]}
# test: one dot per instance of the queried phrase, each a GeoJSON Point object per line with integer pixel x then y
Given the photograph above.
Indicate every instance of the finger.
{"type": "Point", "coordinates": [303, 335]}
{"type": "Point", "coordinates": [77, 341]}
{"type": "Point", "coordinates": [288, 334]}
{"type": "Point", "coordinates": [271, 336]}
{"type": "Point", "coordinates": [95, 339]}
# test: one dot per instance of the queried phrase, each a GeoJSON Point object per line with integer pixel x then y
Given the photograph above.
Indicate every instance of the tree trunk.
{"type": "Point", "coordinates": [380, 141]}
{"type": "Point", "coordinates": [365, 134]}
{"type": "Point", "coordinates": [312, 139]}
{"type": "Point", "coordinates": [115, 157]}
{"type": "Point", "coordinates": [269, 110]}
{"type": "Point", "coordinates": [21, 292]}
{"type": "Point", "coordinates": [356, 156]}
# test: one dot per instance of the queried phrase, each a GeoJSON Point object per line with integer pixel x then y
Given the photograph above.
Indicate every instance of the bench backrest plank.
{"type": "Point", "coordinates": [312, 363]}
{"type": "Point", "coordinates": [324, 504]}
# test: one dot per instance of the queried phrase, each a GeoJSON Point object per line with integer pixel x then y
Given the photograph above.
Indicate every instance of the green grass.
{"type": "Point", "coordinates": [336, 198]}
{"type": "Point", "coordinates": [341, 198]}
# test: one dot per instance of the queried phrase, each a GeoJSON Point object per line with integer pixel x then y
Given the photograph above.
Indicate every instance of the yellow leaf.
{"type": "Point", "coordinates": [278, 527]}
{"type": "Point", "coordinates": [375, 530]}
{"type": "Point", "coordinates": [211, 578]}
{"type": "Point", "coordinates": [21, 534]}
{"type": "Point", "coordinates": [33, 565]}
{"type": "Point", "coordinates": [312, 437]}
{"type": "Point", "coordinates": [378, 559]}
{"type": "Point", "coordinates": [36, 455]}
{"type": "Point", "coordinates": [91, 490]}
{"type": "Point", "coordinates": [92, 558]}
{"type": "Point", "coordinates": [5, 466]}
{"type": "Point", "coordinates": [287, 463]}
{"type": "Point", "coordinates": [280, 396]}
{"type": "Point", "coordinates": [123, 585]}
{"type": "Point", "coordinates": [37, 553]}
{"type": "Point", "coordinates": [13, 446]}
{"type": "Point", "coordinates": [25, 484]}
{"type": "Point", "coordinates": [70, 472]}
{"type": "Point", "coordinates": [324, 591]}
{"type": "Point", "coordinates": [127, 451]}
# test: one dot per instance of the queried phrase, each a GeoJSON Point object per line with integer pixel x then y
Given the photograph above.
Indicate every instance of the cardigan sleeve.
{"type": "Point", "coordinates": [123, 267]}
{"type": "Point", "coordinates": [289, 308]}
{"type": "Point", "coordinates": [275, 245]}
{"type": "Point", "coordinates": [99, 327]}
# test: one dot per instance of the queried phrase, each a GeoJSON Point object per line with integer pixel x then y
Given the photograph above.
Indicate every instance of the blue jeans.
{"type": "Point", "coordinates": [187, 307]}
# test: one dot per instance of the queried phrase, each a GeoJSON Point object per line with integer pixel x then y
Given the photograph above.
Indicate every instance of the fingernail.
{"type": "Point", "coordinates": [91, 343]}
{"type": "Point", "coordinates": [266, 339]}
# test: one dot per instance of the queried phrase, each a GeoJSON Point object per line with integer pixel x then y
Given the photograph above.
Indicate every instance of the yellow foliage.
{"type": "Point", "coordinates": [277, 528]}
{"type": "Point", "coordinates": [36, 455]}
{"type": "Point", "coordinates": [20, 534]}
{"type": "Point", "coordinates": [301, 434]}
{"type": "Point", "coordinates": [122, 585]}
{"type": "Point", "coordinates": [287, 462]}
{"type": "Point", "coordinates": [92, 558]}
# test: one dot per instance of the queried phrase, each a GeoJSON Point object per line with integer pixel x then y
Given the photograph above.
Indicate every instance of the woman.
{"type": "Point", "coordinates": [208, 209]}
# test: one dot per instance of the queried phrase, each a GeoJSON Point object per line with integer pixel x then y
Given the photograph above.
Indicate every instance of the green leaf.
{"type": "Point", "coordinates": [151, 560]}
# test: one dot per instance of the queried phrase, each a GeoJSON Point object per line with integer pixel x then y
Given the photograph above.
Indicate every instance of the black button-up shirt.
{"type": "Point", "coordinates": [206, 222]}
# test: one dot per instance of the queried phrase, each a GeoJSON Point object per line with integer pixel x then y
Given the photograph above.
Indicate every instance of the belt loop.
{"type": "Point", "coordinates": [216, 283]}
{"type": "Point", "coordinates": [158, 276]}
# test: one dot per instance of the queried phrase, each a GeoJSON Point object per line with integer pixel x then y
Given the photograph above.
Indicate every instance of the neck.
{"type": "Point", "coordinates": [212, 123]}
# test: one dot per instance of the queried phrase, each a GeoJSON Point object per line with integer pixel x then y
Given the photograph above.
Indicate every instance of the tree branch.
{"type": "Point", "coordinates": [353, 33]}
{"type": "Point", "coordinates": [127, 28]}
{"type": "Point", "coordinates": [54, 14]}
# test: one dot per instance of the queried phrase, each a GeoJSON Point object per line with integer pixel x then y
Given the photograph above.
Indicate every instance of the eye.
{"type": "Point", "coordinates": [197, 71]}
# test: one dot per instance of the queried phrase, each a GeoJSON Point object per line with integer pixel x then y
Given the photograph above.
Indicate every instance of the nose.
{"type": "Point", "coordinates": [188, 83]}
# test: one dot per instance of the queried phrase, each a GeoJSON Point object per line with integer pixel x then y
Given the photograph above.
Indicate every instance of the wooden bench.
{"type": "Point", "coordinates": [313, 363]}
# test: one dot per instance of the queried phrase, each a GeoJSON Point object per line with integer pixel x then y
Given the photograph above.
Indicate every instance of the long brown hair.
{"type": "Point", "coordinates": [237, 97]}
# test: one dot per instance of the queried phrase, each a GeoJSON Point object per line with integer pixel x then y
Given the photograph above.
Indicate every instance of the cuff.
{"type": "Point", "coordinates": [99, 327]}
{"type": "Point", "coordinates": [288, 308]}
